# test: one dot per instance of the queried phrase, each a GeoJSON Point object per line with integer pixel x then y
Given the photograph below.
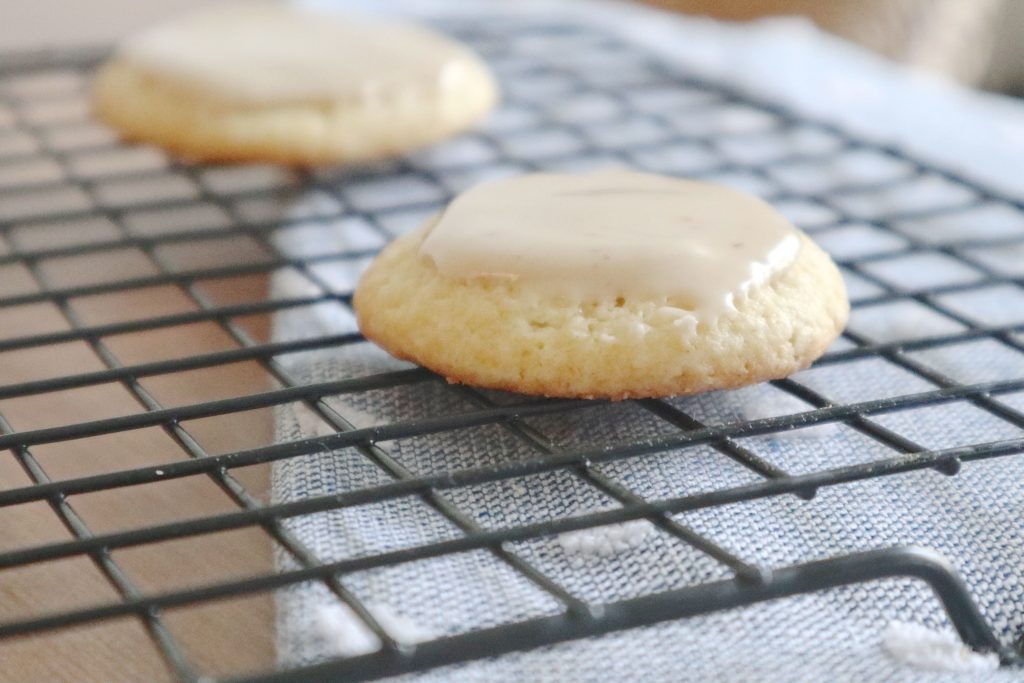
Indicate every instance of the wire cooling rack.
{"type": "Point", "coordinates": [83, 217]}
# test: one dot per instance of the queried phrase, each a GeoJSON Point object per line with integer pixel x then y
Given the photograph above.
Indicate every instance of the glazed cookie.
{"type": "Point", "coordinates": [260, 81]}
{"type": "Point", "coordinates": [611, 284]}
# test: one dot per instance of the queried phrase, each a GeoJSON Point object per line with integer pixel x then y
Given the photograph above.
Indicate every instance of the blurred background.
{"type": "Point", "coordinates": [975, 42]}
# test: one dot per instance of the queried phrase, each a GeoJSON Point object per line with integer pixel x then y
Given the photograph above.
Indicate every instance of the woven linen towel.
{"type": "Point", "coordinates": [974, 519]}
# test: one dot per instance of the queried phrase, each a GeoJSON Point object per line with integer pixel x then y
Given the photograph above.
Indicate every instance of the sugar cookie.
{"type": "Point", "coordinates": [260, 81]}
{"type": "Point", "coordinates": [610, 284]}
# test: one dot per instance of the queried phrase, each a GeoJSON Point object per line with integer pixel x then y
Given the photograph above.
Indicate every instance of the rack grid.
{"type": "Point", "coordinates": [71, 196]}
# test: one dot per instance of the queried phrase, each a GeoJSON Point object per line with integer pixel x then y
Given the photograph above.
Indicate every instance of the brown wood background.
{"type": "Point", "coordinates": [224, 638]}
{"type": "Point", "coordinates": [229, 637]}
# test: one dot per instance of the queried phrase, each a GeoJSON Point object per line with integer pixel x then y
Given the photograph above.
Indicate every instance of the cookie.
{"type": "Point", "coordinates": [271, 82]}
{"type": "Point", "coordinates": [612, 284]}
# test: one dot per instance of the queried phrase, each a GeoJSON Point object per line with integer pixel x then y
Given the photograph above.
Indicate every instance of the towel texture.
{"type": "Point", "coordinates": [579, 95]}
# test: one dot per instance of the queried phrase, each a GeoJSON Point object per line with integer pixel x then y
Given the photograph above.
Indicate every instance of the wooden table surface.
{"type": "Point", "coordinates": [226, 638]}
{"type": "Point", "coordinates": [229, 637]}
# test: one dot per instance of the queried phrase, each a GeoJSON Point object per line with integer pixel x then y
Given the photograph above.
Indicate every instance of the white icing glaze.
{"type": "Point", "coordinates": [260, 52]}
{"type": "Point", "coordinates": [615, 233]}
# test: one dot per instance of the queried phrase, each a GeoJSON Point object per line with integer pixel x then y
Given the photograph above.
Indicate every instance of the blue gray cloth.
{"type": "Point", "coordinates": [592, 108]}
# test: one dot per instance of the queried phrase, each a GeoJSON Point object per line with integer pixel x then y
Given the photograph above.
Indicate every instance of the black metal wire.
{"type": "Point", "coordinates": [749, 582]}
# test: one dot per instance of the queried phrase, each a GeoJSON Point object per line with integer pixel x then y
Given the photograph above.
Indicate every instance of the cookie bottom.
{"type": "Point", "coordinates": [492, 334]}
